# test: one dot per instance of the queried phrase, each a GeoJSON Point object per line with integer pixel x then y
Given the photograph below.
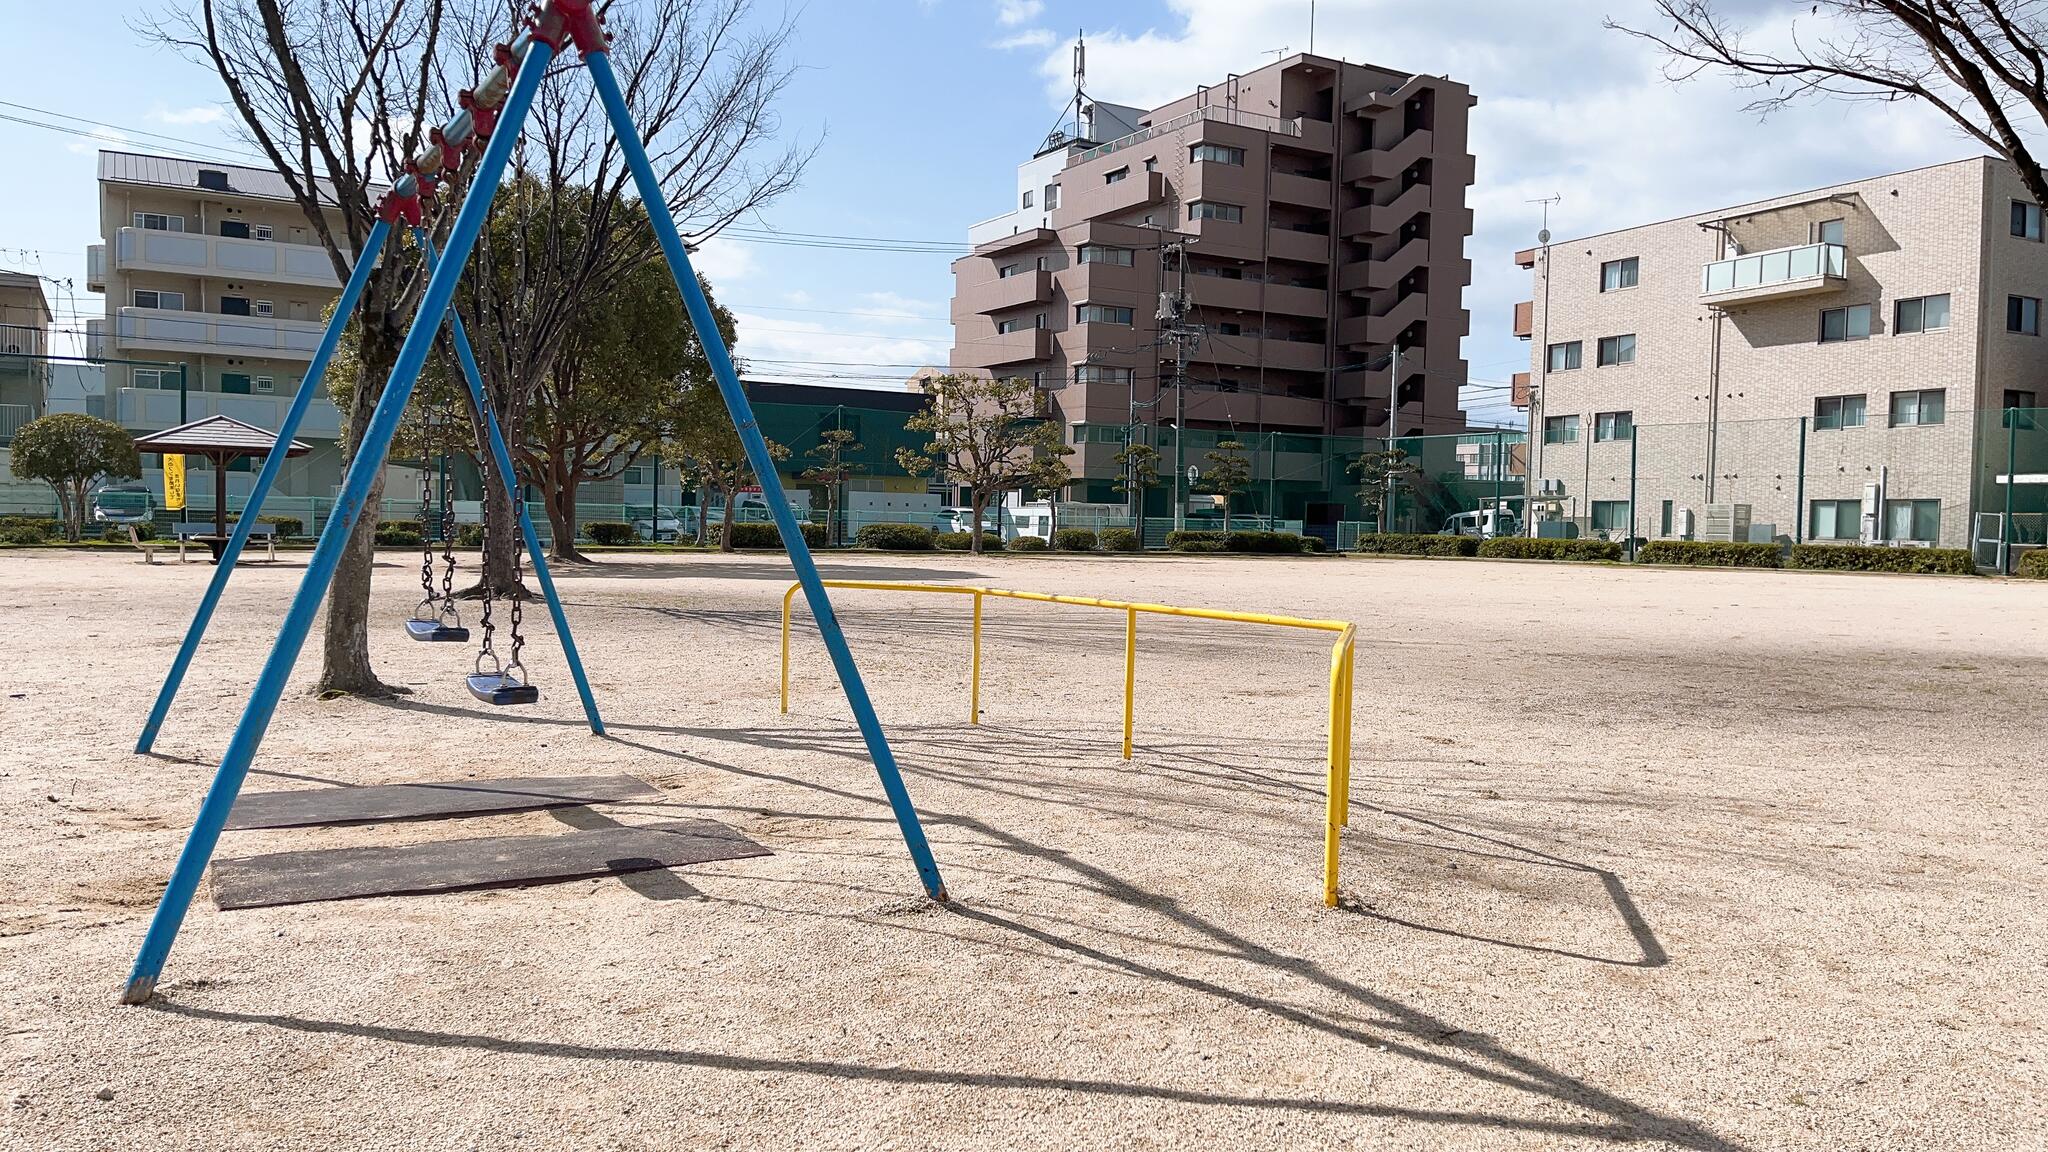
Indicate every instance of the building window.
{"type": "Point", "coordinates": [168, 301]}
{"type": "Point", "coordinates": [1914, 408]}
{"type": "Point", "coordinates": [1851, 323]}
{"type": "Point", "coordinates": [2023, 315]}
{"type": "Point", "coordinates": [1039, 321]}
{"type": "Point", "coordinates": [159, 222]}
{"type": "Point", "coordinates": [1564, 357]}
{"type": "Point", "coordinates": [2019, 408]}
{"type": "Point", "coordinates": [1101, 314]}
{"type": "Point", "coordinates": [1613, 426]}
{"type": "Point", "coordinates": [1617, 350]}
{"type": "Point", "coordinates": [1920, 314]}
{"type": "Point", "coordinates": [1835, 520]}
{"type": "Point", "coordinates": [156, 378]}
{"type": "Point", "coordinates": [1610, 516]}
{"type": "Point", "coordinates": [1664, 513]}
{"type": "Point", "coordinates": [1831, 412]}
{"type": "Point", "coordinates": [1008, 270]}
{"type": "Point", "coordinates": [1151, 163]}
{"type": "Point", "coordinates": [2026, 220]}
{"type": "Point", "coordinates": [1103, 374]}
{"type": "Point", "coordinates": [265, 308]}
{"type": "Point", "coordinates": [1004, 327]}
{"type": "Point", "coordinates": [1618, 274]}
{"type": "Point", "coordinates": [265, 384]}
{"type": "Point", "coordinates": [1104, 254]}
{"type": "Point", "coordinates": [1116, 175]}
{"type": "Point", "coordinates": [1027, 198]}
{"type": "Point", "coordinates": [1912, 520]}
{"type": "Point", "coordinates": [264, 231]}
{"type": "Point", "coordinates": [1830, 232]}
{"type": "Point", "coordinates": [1212, 210]}
{"type": "Point", "coordinates": [1560, 429]}
{"type": "Point", "coordinates": [1052, 197]}
{"type": "Point", "coordinates": [1216, 154]}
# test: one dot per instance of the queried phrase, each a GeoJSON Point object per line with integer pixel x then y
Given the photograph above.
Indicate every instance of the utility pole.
{"type": "Point", "coordinates": [1174, 328]}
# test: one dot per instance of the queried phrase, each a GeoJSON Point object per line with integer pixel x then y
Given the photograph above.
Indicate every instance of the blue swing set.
{"type": "Point", "coordinates": [486, 128]}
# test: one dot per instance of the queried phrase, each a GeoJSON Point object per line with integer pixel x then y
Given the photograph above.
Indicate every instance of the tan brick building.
{"type": "Point", "coordinates": [1828, 358]}
{"type": "Point", "coordinates": [1326, 203]}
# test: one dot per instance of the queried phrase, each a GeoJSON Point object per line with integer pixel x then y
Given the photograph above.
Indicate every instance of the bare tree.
{"type": "Point", "coordinates": [1981, 63]}
{"type": "Point", "coordinates": [702, 78]}
{"type": "Point", "coordinates": [337, 96]}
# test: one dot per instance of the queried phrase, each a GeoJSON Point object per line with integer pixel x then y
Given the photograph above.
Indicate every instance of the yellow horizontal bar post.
{"type": "Point", "coordinates": [974, 690]}
{"type": "Point", "coordinates": [786, 596]}
{"type": "Point", "coordinates": [1130, 675]}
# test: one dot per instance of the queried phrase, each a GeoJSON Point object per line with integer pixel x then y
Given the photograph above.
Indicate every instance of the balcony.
{"type": "Point", "coordinates": [1308, 247]}
{"type": "Point", "coordinates": [1779, 274]}
{"type": "Point", "coordinates": [96, 339]}
{"type": "Point", "coordinates": [1133, 191]}
{"type": "Point", "coordinates": [151, 410]}
{"type": "Point", "coordinates": [12, 417]}
{"type": "Point", "coordinates": [1519, 389]}
{"type": "Point", "coordinates": [1377, 164]}
{"type": "Point", "coordinates": [1307, 191]}
{"type": "Point", "coordinates": [994, 351]}
{"type": "Point", "coordinates": [161, 330]}
{"type": "Point", "coordinates": [196, 254]}
{"type": "Point", "coordinates": [1525, 319]}
{"type": "Point", "coordinates": [986, 244]}
{"type": "Point", "coordinates": [1015, 291]}
{"type": "Point", "coordinates": [96, 268]}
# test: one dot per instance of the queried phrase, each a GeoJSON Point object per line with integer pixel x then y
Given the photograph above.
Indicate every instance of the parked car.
{"type": "Point", "coordinates": [1485, 524]}
{"type": "Point", "coordinates": [661, 530]}
{"type": "Point", "coordinates": [130, 503]}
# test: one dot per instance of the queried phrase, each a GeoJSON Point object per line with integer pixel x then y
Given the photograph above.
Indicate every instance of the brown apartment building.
{"type": "Point", "coordinates": [1324, 205]}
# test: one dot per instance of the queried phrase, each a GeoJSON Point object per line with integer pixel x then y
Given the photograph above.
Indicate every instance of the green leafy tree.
{"type": "Point", "coordinates": [1379, 475]}
{"type": "Point", "coordinates": [72, 452]}
{"type": "Point", "coordinates": [986, 434]}
{"type": "Point", "coordinates": [832, 470]}
{"type": "Point", "coordinates": [1229, 473]}
{"type": "Point", "coordinates": [1137, 468]}
{"type": "Point", "coordinates": [705, 446]}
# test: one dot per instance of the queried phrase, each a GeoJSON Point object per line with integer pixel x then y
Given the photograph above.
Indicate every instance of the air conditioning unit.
{"type": "Point", "coordinates": [1549, 486]}
{"type": "Point", "coordinates": [1726, 522]}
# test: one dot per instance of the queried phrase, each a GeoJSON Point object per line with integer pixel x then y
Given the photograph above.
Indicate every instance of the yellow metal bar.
{"type": "Point", "coordinates": [1130, 674]}
{"type": "Point", "coordinates": [1333, 780]}
{"type": "Point", "coordinates": [974, 690]}
{"type": "Point", "coordinates": [786, 596]}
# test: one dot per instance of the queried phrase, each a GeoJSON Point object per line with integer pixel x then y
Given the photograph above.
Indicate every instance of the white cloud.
{"type": "Point", "coordinates": [1565, 107]}
{"type": "Point", "coordinates": [197, 114]}
{"type": "Point", "coordinates": [1029, 38]}
{"type": "Point", "coordinates": [723, 260]}
{"type": "Point", "coordinates": [1011, 13]}
{"type": "Point", "coordinates": [100, 138]}
{"type": "Point", "coordinates": [853, 350]}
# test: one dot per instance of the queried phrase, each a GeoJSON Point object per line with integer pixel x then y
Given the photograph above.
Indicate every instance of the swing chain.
{"type": "Point", "coordinates": [429, 600]}
{"type": "Point", "coordinates": [448, 609]}
{"type": "Point", "coordinates": [484, 570]}
{"type": "Point", "coordinates": [518, 589]}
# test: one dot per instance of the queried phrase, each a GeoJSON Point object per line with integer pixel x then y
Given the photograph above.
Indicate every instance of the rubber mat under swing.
{"type": "Point", "coordinates": [307, 806]}
{"type": "Point", "coordinates": [485, 862]}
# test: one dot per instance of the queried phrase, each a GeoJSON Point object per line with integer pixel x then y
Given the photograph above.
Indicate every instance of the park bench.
{"type": "Point", "coordinates": [204, 532]}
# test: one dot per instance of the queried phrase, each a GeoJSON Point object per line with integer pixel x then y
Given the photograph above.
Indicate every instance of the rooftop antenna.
{"type": "Point", "coordinates": [1280, 53]}
{"type": "Point", "coordinates": [1080, 76]}
{"type": "Point", "coordinates": [1311, 27]}
{"type": "Point", "coordinates": [1543, 236]}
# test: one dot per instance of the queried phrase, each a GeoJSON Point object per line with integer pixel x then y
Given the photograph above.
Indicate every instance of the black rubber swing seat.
{"type": "Point", "coordinates": [501, 689]}
{"type": "Point", "coordinates": [436, 632]}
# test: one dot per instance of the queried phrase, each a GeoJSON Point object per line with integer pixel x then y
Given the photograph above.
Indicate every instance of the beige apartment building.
{"type": "Point", "coordinates": [1833, 360]}
{"type": "Point", "coordinates": [1324, 206]}
{"type": "Point", "coordinates": [214, 267]}
{"type": "Point", "coordinates": [24, 336]}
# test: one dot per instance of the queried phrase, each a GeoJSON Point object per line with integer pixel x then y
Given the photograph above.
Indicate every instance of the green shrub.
{"type": "Point", "coordinates": [764, 535]}
{"type": "Point", "coordinates": [1192, 540]}
{"type": "Point", "coordinates": [22, 536]}
{"type": "Point", "coordinates": [1283, 543]}
{"type": "Point", "coordinates": [287, 526]}
{"type": "Point", "coordinates": [30, 529]}
{"type": "Point", "coordinates": [1417, 544]}
{"type": "Point", "coordinates": [1862, 558]}
{"type": "Point", "coordinates": [610, 532]}
{"type": "Point", "coordinates": [399, 533]}
{"type": "Point", "coordinates": [1711, 554]}
{"type": "Point", "coordinates": [1074, 540]}
{"type": "Point", "coordinates": [469, 536]}
{"type": "Point", "coordinates": [1121, 540]}
{"type": "Point", "coordinates": [2033, 565]}
{"type": "Point", "coordinates": [118, 533]}
{"type": "Point", "coordinates": [1028, 544]}
{"type": "Point", "coordinates": [894, 537]}
{"type": "Point", "coordinates": [1530, 548]}
{"type": "Point", "coordinates": [1314, 544]}
{"type": "Point", "coordinates": [962, 541]}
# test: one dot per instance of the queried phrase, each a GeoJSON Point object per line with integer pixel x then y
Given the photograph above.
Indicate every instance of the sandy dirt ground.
{"type": "Point", "coordinates": [1701, 860]}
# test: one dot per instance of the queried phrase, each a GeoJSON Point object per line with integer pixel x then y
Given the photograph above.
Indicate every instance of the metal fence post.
{"type": "Point", "coordinates": [1632, 449]}
{"type": "Point", "coordinates": [2012, 477]}
{"type": "Point", "coordinates": [1799, 490]}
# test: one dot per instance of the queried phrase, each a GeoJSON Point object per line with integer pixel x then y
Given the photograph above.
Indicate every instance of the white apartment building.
{"type": "Point", "coordinates": [213, 267]}
{"type": "Point", "coordinates": [1836, 359]}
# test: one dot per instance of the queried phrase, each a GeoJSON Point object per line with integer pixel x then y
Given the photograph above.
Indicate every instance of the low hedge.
{"type": "Point", "coordinates": [963, 541]}
{"type": "Point", "coordinates": [30, 529]}
{"type": "Point", "coordinates": [287, 526]}
{"type": "Point", "coordinates": [1190, 540]}
{"type": "Point", "coordinates": [610, 532]}
{"type": "Point", "coordinates": [1712, 554]}
{"type": "Point", "coordinates": [469, 535]}
{"type": "Point", "coordinates": [2033, 565]}
{"type": "Point", "coordinates": [1530, 548]}
{"type": "Point", "coordinates": [1029, 544]}
{"type": "Point", "coordinates": [118, 533]}
{"type": "Point", "coordinates": [1864, 558]}
{"type": "Point", "coordinates": [1121, 540]}
{"type": "Point", "coordinates": [399, 533]}
{"type": "Point", "coordinates": [1283, 543]}
{"type": "Point", "coordinates": [1074, 540]}
{"type": "Point", "coordinates": [767, 536]}
{"type": "Point", "coordinates": [894, 537]}
{"type": "Point", "coordinates": [1417, 544]}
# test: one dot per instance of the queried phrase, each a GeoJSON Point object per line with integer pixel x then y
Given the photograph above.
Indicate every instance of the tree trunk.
{"type": "Point", "coordinates": [504, 540]}
{"type": "Point", "coordinates": [975, 503]}
{"type": "Point", "coordinates": [725, 533]}
{"type": "Point", "coordinates": [345, 649]}
{"type": "Point", "coordinates": [560, 501]}
{"type": "Point", "coordinates": [67, 510]}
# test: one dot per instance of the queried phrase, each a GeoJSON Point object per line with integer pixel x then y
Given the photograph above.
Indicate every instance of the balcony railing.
{"type": "Point", "coordinates": [1222, 115]}
{"type": "Point", "coordinates": [151, 409]}
{"type": "Point", "coordinates": [1779, 272]}
{"type": "Point", "coordinates": [12, 417]}
{"type": "Point", "coordinates": [194, 253]}
{"type": "Point", "coordinates": [211, 332]}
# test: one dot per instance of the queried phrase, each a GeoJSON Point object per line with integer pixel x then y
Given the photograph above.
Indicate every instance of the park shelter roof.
{"type": "Point", "coordinates": [218, 436]}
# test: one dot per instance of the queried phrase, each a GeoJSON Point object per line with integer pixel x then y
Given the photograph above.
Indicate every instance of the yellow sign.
{"type": "Point", "coordinates": [174, 482]}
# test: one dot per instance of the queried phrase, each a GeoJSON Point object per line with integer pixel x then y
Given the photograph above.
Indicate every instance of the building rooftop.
{"type": "Point", "coordinates": [171, 172]}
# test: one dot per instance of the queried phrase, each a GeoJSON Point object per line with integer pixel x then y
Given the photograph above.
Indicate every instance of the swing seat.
{"type": "Point", "coordinates": [500, 689]}
{"type": "Point", "coordinates": [435, 631]}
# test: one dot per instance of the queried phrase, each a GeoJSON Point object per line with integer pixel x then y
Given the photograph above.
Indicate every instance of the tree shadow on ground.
{"type": "Point", "coordinates": [777, 569]}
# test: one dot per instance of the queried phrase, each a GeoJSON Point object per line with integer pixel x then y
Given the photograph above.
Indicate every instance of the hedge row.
{"type": "Point", "coordinates": [2033, 565]}
{"type": "Point", "coordinates": [1121, 540]}
{"type": "Point", "coordinates": [767, 536]}
{"type": "Point", "coordinates": [1029, 544]}
{"type": "Point", "coordinates": [1417, 544]}
{"type": "Point", "coordinates": [962, 541]}
{"type": "Point", "coordinates": [399, 533]}
{"type": "Point", "coordinates": [1530, 548]}
{"type": "Point", "coordinates": [1074, 540]}
{"type": "Point", "coordinates": [1863, 558]}
{"type": "Point", "coordinates": [30, 529]}
{"type": "Point", "coordinates": [1278, 543]}
{"type": "Point", "coordinates": [894, 537]}
{"type": "Point", "coordinates": [611, 532]}
{"type": "Point", "coordinates": [1711, 554]}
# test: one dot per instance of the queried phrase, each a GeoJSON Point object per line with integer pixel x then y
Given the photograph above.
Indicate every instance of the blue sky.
{"type": "Point", "coordinates": [926, 106]}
